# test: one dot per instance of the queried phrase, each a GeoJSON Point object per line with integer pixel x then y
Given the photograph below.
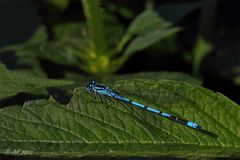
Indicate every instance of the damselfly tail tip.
{"type": "Point", "coordinates": [193, 125]}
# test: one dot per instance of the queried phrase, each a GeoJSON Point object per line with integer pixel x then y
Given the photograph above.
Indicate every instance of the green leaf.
{"type": "Point", "coordinates": [121, 10]}
{"type": "Point", "coordinates": [90, 127]}
{"type": "Point", "coordinates": [61, 52]}
{"type": "Point", "coordinates": [38, 37]}
{"type": "Point", "coordinates": [236, 69]}
{"type": "Point", "coordinates": [68, 31]}
{"type": "Point", "coordinates": [201, 49]}
{"type": "Point", "coordinates": [237, 80]}
{"type": "Point", "coordinates": [149, 29]}
{"type": "Point", "coordinates": [29, 51]}
{"type": "Point", "coordinates": [95, 26]}
{"type": "Point", "coordinates": [149, 39]}
{"type": "Point", "coordinates": [71, 46]}
{"type": "Point", "coordinates": [115, 27]}
{"type": "Point", "coordinates": [13, 82]}
{"type": "Point", "coordinates": [60, 4]}
{"type": "Point", "coordinates": [70, 43]}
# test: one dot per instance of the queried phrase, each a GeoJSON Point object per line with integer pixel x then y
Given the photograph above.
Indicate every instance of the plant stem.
{"type": "Point", "coordinates": [95, 25]}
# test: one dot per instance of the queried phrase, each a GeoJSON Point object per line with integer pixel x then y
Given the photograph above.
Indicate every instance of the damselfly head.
{"type": "Point", "coordinates": [91, 85]}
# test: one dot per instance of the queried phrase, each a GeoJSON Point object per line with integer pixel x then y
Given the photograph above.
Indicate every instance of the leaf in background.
{"type": "Point", "coordinates": [188, 57]}
{"type": "Point", "coordinates": [115, 27]}
{"type": "Point", "coordinates": [28, 52]}
{"type": "Point", "coordinates": [60, 4]}
{"type": "Point", "coordinates": [95, 25]}
{"type": "Point", "coordinates": [146, 22]}
{"type": "Point", "coordinates": [167, 45]}
{"type": "Point", "coordinates": [69, 31]}
{"type": "Point", "coordinates": [148, 28]}
{"type": "Point", "coordinates": [71, 46]}
{"type": "Point", "coordinates": [70, 42]}
{"type": "Point", "coordinates": [236, 78]}
{"type": "Point", "coordinates": [60, 53]}
{"type": "Point", "coordinates": [175, 12]}
{"type": "Point", "coordinates": [121, 10]}
{"type": "Point", "coordinates": [144, 41]}
{"type": "Point", "coordinates": [39, 36]}
{"type": "Point", "coordinates": [89, 127]}
{"type": "Point", "coordinates": [12, 82]}
{"type": "Point", "coordinates": [201, 49]}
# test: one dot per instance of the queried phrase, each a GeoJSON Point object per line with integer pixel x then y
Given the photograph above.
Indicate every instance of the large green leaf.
{"type": "Point", "coordinates": [90, 127]}
{"type": "Point", "coordinates": [13, 82]}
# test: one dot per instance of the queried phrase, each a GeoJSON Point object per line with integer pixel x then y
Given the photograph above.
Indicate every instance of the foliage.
{"type": "Point", "coordinates": [13, 82]}
{"type": "Point", "coordinates": [60, 4]}
{"type": "Point", "coordinates": [236, 79]}
{"type": "Point", "coordinates": [200, 50]}
{"type": "Point", "coordinates": [84, 46]}
{"type": "Point", "coordinates": [28, 54]}
{"type": "Point", "coordinates": [90, 127]}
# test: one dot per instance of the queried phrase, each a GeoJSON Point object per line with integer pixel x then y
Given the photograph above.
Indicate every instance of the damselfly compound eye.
{"type": "Point", "coordinates": [91, 85]}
